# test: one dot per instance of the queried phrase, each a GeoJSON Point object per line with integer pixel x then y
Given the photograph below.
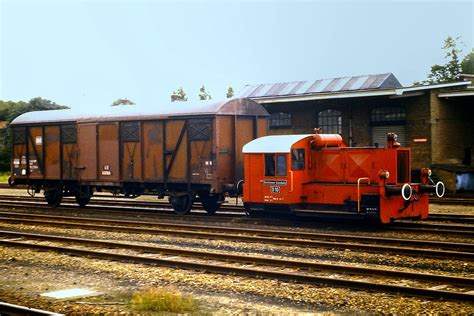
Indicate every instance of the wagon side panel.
{"type": "Point", "coordinates": [87, 145]}
{"type": "Point", "coordinates": [131, 151]}
{"type": "Point", "coordinates": [70, 152]}
{"type": "Point", "coordinates": [176, 151]}
{"type": "Point", "coordinates": [35, 152]}
{"type": "Point", "coordinates": [153, 151]}
{"type": "Point", "coordinates": [52, 150]}
{"type": "Point", "coordinates": [19, 152]}
{"type": "Point", "coordinates": [245, 131]}
{"type": "Point", "coordinates": [108, 152]}
{"type": "Point", "coordinates": [200, 145]}
{"type": "Point", "coordinates": [224, 148]}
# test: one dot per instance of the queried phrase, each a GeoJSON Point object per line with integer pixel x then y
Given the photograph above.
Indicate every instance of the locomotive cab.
{"type": "Point", "coordinates": [274, 171]}
{"type": "Point", "coordinates": [305, 173]}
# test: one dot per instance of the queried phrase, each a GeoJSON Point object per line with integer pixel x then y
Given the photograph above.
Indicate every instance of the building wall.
{"type": "Point", "coordinates": [356, 114]}
{"type": "Point", "coordinates": [447, 125]}
{"type": "Point", "coordinates": [418, 127]}
{"type": "Point", "coordinates": [452, 126]}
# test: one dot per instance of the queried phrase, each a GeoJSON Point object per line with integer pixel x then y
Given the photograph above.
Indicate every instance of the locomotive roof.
{"type": "Point", "coordinates": [137, 112]}
{"type": "Point", "coordinates": [273, 143]}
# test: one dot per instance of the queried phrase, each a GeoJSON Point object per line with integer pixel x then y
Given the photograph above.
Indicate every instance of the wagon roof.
{"type": "Point", "coordinates": [273, 143]}
{"type": "Point", "coordinates": [137, 112]}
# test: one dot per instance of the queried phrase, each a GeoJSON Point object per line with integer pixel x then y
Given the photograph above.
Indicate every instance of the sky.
{"type": "Point", "coordinates": [86, 53]}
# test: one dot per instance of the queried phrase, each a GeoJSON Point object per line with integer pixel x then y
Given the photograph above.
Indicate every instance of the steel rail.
{"type": "Point", "coordinates": [284, 263]}
{"type": "Point", "coordinates": [411, 227]}
{"type": "Point", "coordinates": [249, 238]}
{"type": "Point", "coordinates": [114, 201]}
{"type": "Point", "coordinates": [259, 232]}
{"type": "Point", "coordinates": [258, 273]}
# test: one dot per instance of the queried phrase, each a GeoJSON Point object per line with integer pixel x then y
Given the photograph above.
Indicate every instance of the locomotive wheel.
{"type": "Point", "coordinates": [182, 204]}
{"type": "Point", "coordinates": [54, 197]}
{"type": "Point", "coordinates": [212, 203]}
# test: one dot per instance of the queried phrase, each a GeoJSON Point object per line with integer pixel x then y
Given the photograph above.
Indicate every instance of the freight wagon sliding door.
{"type": "Point", "coordinates": [52, 152]}
{"type": "Point", "coordinates": [70, 151]}
{"type": "Point", "coordinates": [87, 143]}
{"type": "Point", "coordinates": [131, 151]}
{"type": "Point", "coordinates": [153, 151]}
{"type": "Point", "coordinates": [108, 152]}
{"type": "Point", "coordinates": [200, 145]}
{"type": "Point", "coordinates": [176, 151]}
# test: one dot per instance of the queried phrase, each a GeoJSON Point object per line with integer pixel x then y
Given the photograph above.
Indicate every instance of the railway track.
{"type": "Point", "coordinates": [226, 209]}
{"type": "Point", "coordinates": [165, 212]}
{"type": "Point", "coordinates": [432, 286]}
{"type": "Point", "coordinates": [411, 247]}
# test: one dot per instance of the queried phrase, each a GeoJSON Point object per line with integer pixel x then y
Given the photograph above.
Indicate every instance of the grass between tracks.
{"type": "Point", "coordinates": [4, 176]}
{"type": "Point", "coordinates": [163, 300]}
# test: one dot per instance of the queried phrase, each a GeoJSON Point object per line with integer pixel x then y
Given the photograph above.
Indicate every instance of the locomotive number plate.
{"type": "Point", "coordinates": [275, 189]}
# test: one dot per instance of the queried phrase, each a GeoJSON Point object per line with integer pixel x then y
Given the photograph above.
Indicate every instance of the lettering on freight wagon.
{"type": "Point", "coordinates": [275, 182]}
{"type": "Point", "coordinates": [106, 171]}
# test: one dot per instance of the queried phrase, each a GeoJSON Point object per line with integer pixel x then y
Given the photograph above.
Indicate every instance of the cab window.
{"type": "Point", "coordinates": [297, 159]}
{"type": "Point", "coordinates": [275, 164]}
{"type": "Point", "coordinates": [269, 165]}
{"type": "Point", "coordinates": [281, 165]}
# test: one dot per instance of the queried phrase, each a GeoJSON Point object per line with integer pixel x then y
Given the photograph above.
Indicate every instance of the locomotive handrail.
{"type": "Point", "coordinates": [358, 191]}
{"type": "Point", "coordinates": [291, 181]}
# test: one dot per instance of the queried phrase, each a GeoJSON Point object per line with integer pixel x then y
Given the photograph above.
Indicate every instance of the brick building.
{"type": "Point", "coordinates": [435, 121]}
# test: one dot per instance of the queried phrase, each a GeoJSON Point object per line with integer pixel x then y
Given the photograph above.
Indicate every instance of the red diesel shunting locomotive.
{"type": "Point", "coordinates": [319, 172]}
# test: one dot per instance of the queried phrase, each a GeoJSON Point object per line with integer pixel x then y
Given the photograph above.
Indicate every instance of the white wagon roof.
{"type": "Point", "coordinates": [273, 143]}
{"type": "Point", "coordinates": [149, 111]}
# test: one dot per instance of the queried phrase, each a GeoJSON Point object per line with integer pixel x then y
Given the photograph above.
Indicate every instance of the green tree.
{"type": "Point", "coordinates": [122, 102]}
{"type": "Point", "coordinates": [450, 71]}
{"type": "Point", "coordinates": [203, 94]}
{"type": "Point", "coordinates": [230, 93]}
{"type": "Point", "coordinates": [179, 95]}
{"type": "Point", "coordinates": [467, 64]}
{"type": "Point", "coordinates": [9, 110]}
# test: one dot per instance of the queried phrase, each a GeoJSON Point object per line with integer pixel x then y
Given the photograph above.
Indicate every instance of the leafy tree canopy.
{"type": "Point", "coordinates": [467, 64]}
{"type": "Point", "coordinates": [230, 93]}
{"type": "Point", "coordinates": [9, 110]}
{"type": "Point", "coordinates": [179, 95]}
{"type": "Point", "coordinates": [203, 94]}
{"type": "Point", "coordinates": [451, 70]}
{"type": "Point", "coordinates": [122, 102]}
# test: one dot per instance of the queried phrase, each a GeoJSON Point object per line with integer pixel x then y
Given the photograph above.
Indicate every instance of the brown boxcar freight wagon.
{"type": "Point", "coordinates": [183, 151]}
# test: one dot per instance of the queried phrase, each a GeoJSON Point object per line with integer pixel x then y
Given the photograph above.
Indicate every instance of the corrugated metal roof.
{"type": "Point", "coordinates": [333, 85]}
{"type": "Point", "coordinates": [112, 113]}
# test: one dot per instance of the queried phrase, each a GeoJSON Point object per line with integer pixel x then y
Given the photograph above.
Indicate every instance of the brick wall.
{"type": "Point", "coordinates": [452, 127]}
{"type": "Point", "coordinates": [447, 125]}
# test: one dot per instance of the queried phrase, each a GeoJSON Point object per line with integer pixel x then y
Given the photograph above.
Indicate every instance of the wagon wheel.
{"type": "Point", "coordinates": [181, 204]}
{"type": "Point", "coordinates": [54, 197]}
{"type": "Point", "coordinates": [84, 198]}
{"type": "Point", "coordinates": [212, 203]}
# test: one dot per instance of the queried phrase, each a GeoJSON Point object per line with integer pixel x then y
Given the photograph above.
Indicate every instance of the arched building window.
{"type": "Point", "coordinates": [330, 121]}
{"type": "Point", "coordinates": [280, 120]}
